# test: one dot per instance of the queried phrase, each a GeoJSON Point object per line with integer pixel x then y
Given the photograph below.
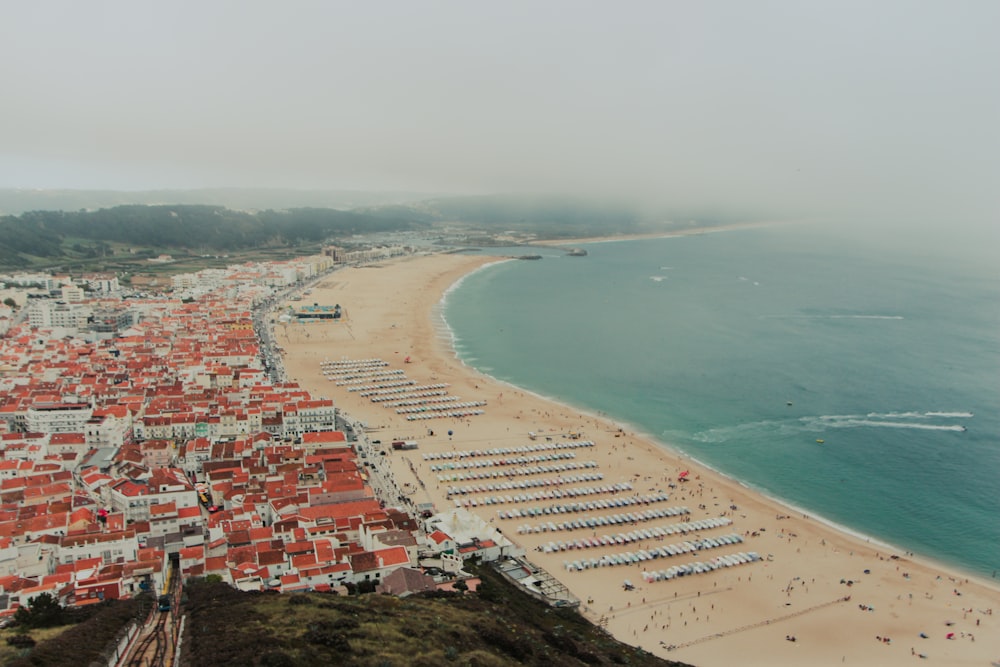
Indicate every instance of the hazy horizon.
{"type": "Point", "coordinates": [883, 111]}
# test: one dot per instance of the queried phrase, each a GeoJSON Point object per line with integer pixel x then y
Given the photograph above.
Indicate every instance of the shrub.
{"type": "Point", "coordinates": [325, 634]}
{"type": "Point", "coordinates": [345, 623]}
{"type": "Point", "coordinates": [21, 641]}
{"type": "Point", "coordinates": [516, 647]}
{"type": "Point", "coordinates": [276, 659]}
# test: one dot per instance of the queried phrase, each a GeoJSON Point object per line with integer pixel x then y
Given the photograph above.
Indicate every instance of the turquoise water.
{"type": "Point", "coordinates": [891, 359]}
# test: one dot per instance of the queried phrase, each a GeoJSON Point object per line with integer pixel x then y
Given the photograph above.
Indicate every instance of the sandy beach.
{"type": "Point", "coordinates": [672, 232]}
{"type": "Point", "coordinates": [818, 596]}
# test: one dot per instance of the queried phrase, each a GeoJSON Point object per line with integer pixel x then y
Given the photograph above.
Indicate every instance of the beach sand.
{"type": "Point", "coordinates": [744, 615]}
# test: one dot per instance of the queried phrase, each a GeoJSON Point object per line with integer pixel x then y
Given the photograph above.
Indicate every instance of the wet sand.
{"type": "Point", "coordinates": [843, 599]}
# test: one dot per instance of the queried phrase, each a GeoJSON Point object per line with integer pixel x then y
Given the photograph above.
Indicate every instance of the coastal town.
{"type": "Point", "coordinates": [145, 433]}
{"type": "Point", "coordinates": [305, 426]}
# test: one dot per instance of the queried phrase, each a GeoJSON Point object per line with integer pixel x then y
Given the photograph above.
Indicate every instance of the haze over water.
{"type": "Point", "coordinates": [746, 348]}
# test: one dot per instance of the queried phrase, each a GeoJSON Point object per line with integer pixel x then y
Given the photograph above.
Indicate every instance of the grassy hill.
{"type": "Point", "coordinates": [498, 625]}
{"type": "Point", "coordinates": [61, 238]}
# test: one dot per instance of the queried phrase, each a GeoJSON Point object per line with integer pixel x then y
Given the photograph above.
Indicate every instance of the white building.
{"type": "Point", "coordinates": [58, 418]}
{"type": "Point", "coordinates": [73, 294]}
{"type": "Point", "coordinates": [108, 428]}
{"type": "Point", "coordinates": [308, 416]}
{"type": "Point", "coordinates": [51, 314]}
{"type": "Point", "coordinates": [106, 546]}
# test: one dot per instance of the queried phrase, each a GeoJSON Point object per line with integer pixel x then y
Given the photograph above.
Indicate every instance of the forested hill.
{"type": "Point", "coordinates": [45, 234]}
{"type": "Point", "coordinates": [58, 238]}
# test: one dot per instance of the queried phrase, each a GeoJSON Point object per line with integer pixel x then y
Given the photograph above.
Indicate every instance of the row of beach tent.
{"type": "Point", "coordinates": [492, 463]}
{"type": "Point", "coordinates": [497, 451]}
{"type": "Point", "coordinates": [367, 389]}
{"type": "Point", "coordinates": [525, 484]}
{"type": "Point", "coordinates": [719, 562]}
{"type": "Point", "coordinates": [440, 414]}
{"type": "Point", "coordinates": [346, 379]}
{"type": "Point", "coordinates": [354, 363]}
{"type": "Point", "coordinates": [399, 388]}
{"type": "Point", "coordinates": [547, 494]}
{"type": "Point", "coordinates": [589, 523]}
{"type": "Point", "coordinates": [666, 551]}
{"type": "Point", "coordinates": [370, 371]}
{"type": "Point", "coordinates": [631, 558]}
{"type": "Point", "coordinates": [517, 472]}
{"type": "Point", "coordinates": [443, 405]}
{"type": "Point", "coordinates": [585, 506]}
{"type": "Point", "coordinates": [421, 398]}
{"type": "Point", "coordinates": [401, 399]}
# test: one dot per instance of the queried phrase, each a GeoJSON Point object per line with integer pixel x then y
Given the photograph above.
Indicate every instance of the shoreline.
{"type": "Point", "coordinates": [670, 449]}
{"type": "Point", "coordinates": [955, 569]}
{"type": "Point", "coordinates": [748, 598]}
{"type": "Point", "coordinates": [665, 234]}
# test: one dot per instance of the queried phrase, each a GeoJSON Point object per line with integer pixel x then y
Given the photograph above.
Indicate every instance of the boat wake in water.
{"type": "Point", "coordinates": [769, 428]}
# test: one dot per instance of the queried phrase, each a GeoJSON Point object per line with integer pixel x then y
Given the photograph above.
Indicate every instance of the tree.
{"type": "Point", "coordinates": [10, 303]}
{"type": "Point", "coordinates": [44, 611]}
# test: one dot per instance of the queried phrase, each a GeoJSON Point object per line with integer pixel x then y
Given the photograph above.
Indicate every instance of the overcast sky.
{"type": "Point", "coordinates": [868, 106]}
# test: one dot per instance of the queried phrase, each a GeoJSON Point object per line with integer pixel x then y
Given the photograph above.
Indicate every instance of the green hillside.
{"type": "Point", "coordinates": [498, 625]}
{"type": "Point", "coordinates": [39, 237]}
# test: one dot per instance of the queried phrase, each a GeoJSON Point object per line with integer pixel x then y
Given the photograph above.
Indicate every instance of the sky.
{"type": "Point", "coordinates": [855, 108]}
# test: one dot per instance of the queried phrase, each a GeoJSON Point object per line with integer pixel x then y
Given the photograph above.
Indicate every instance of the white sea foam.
{"type": "Point", "coordinates": [949, 414]}
{"type": "Point", "coordinates": [920, 415]}
{"type": "Point", "coordinates": [444, 330]}
{"type": "Point", "coordinates": [884, 424]}
{"type": "Point", "coordinates": [897, 415]}
{"type": "Point", "coordinates": [817, 424]}
{"type": "Point", "coordinates": [881, 420]}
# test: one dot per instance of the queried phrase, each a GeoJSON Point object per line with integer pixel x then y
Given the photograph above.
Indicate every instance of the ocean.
{"type": "Point", "coordinates": [856, 382]}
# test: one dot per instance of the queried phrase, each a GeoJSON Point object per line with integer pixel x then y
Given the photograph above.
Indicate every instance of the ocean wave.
{"type": "Point", "coordinates": [458, 283]}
